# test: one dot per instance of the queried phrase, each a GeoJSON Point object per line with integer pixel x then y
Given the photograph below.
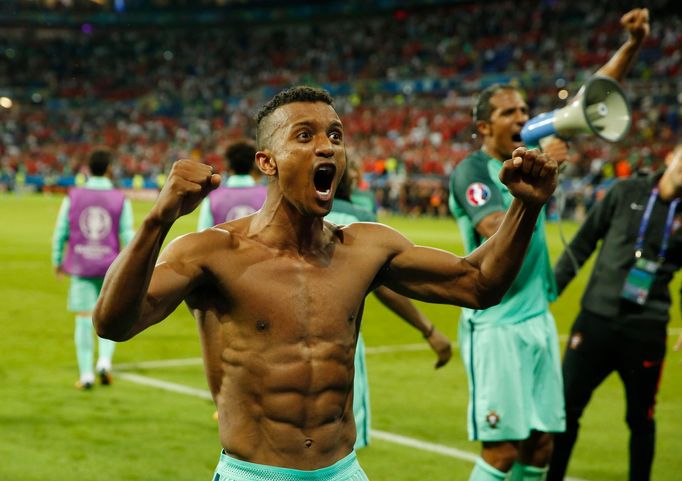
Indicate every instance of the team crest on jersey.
{"type": "Point", "coordinates": [575, 340]}
{"type": "Point", "coordinates": [677, 223]}
{"type": "Point", "coordinates": [238, 212]}
{"type": "Point", "coordinates": [95, 223]}
{"type": "Point", "coordinates": [492, 418]}
{"type": "Point", "coordinates": [478, 194]}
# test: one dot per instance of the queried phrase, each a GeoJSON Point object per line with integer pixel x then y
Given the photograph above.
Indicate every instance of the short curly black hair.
{"type": "Point", "coordinates": [299, 93]}
{"type": "Point", "coordinates": [241, 157]}
{"type": "Point", "coordinates": [99, 161]}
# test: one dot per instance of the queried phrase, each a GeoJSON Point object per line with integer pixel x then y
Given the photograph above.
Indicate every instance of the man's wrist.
{"type": "Point", "coordinates": [429, 332]}
{"type": "Point", "coordinates": [633, 41]}
{"type": "Point", "coordinates": [155, 220]}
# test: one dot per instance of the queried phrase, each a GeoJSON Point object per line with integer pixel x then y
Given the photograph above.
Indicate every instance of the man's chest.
{"type": "Point", "coordinates": [632, 227]}
{"type": "Point", "coordinates": [293, 293]}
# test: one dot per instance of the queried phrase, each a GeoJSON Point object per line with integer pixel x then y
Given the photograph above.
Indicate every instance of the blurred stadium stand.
{"type": "Point", "coordinates": [157, 80]}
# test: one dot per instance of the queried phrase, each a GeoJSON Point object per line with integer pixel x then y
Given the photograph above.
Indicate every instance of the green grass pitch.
{"type": "Point", "coordinates": [132, 431]}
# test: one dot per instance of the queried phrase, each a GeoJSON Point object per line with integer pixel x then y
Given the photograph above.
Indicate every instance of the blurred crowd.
{"type": "Point", "coordinates": [403, 83]}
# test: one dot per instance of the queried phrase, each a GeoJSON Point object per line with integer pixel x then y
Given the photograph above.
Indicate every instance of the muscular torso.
{"type": "Point", "coordinates": [278, 330]}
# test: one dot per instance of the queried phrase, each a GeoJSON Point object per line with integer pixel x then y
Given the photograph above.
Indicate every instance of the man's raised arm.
{"type": "Point", "coordinates": [480, 279]}
{"type": "Point", "coordinates": [137, 292]}
{"type": "Point", "coordinates": [636, 22]}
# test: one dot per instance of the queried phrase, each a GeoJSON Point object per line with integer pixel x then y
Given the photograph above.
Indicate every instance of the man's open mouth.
{"type": "Point", "coordinates": [323, 179]}
{"type": "Point", "coordinates": [516, 137]}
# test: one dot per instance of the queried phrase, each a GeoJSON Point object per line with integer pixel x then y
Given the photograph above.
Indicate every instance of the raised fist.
{"type": "Point", "coordinates": [188, 183]}
{"type": "Point", "coordinates": [530, 175]}
{"type": "Point", "coordinates": [636, 22]}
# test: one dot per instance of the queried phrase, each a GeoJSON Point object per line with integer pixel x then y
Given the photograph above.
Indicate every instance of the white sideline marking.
{"type": "Point", "coordinates": [192, 361]}
{"type": "Point", "coordinates": [422, 346]}
{"type": "Point", "coordinates": [424, 445]}
{"type": "Point", "coordinates": [384, 436]}
{"type": "Point", "coordinates": [168, 386]}
{"type": "Point", "coordinates": [197, 361]}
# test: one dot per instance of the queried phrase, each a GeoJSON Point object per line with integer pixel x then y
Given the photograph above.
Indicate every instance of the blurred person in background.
{"type": "Point", "coordinates": [277, 295]}
{"type": "Point", "coordinates": [92, 223]}
{"type": "Point", "coordinates": [511, 351]}
{"type": "Point", "coordinates": [625, 309]}
{"type": "Point", "coordinates": [345, 211]}
{"type": "Point", "coordinates": [241, 195]}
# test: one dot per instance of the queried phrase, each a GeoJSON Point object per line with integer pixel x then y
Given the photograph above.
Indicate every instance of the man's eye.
{"type": "Point", "coordinates": [336, 135]}
{"type": "Point", "coordinates": [303, 135]}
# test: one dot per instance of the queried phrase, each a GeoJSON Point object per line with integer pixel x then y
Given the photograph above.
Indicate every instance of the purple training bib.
{"type": "Point", "coordinates": [94, 220]}
{"type": "Point", "coordinates": [229, 203]}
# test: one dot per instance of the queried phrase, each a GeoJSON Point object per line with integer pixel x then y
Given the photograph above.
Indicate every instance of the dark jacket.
{"type": "Point", "coordinates": [616, 220]}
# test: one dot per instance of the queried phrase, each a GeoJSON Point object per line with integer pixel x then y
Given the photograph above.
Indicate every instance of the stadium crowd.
{"type": "Point", "coordinates": [404, 82]}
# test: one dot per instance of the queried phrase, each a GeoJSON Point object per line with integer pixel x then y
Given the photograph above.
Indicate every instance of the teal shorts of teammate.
{"type": "Point", "coordinates": [511, 350]}
{"type": "Point", "coordinates": [231, 469]}
{"type": "Point", "coordinates": [83, 293]}
{"type": "Point", "coordinates": [514, 378]}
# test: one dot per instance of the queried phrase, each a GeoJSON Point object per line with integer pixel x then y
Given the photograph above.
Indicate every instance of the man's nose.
{"type": "Point", "coordinates": [522, 116]}
{"type": "Point", "coordinates": [324, 147]}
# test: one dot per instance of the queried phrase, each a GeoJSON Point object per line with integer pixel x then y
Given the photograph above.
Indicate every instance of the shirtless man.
{"type": "Point", "coordinates": [278, 294]}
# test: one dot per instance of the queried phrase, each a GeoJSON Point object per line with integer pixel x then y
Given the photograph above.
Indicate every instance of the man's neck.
{"type": "Point", "coordinates": [281, 226]}
{"type": "Point", "coordinates": [491, 152]}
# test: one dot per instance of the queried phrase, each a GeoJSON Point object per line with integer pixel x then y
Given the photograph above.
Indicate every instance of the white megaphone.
{"type": "Point", "coordinates": [600, 108]}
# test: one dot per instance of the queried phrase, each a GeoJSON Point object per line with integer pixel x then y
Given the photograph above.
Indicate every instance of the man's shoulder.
{"type": "Point", "coordinates": [197, 239]}
{"type": "Point", "coordinates": [632, 185]}
{"type": "Point", "coordinates": [367, 234]}
{"type": "Point", "coordinates": [361, 227]}
{"type": "Point", "coordinates": [474, 165]}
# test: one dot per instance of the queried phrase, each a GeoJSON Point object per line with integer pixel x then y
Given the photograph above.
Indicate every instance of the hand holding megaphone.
{"type": "Point", "coordinates": [599, 108]}
{"type": "Point", "coordinates": [556, 149]}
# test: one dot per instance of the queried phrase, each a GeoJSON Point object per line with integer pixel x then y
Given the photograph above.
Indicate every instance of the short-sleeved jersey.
{"type": "Point", "coordinates": [343, 212]}
{"type": "Point", "coordinates": [475, 193]}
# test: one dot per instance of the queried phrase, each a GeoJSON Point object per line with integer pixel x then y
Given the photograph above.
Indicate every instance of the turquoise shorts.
{"type": "Point", "coordinates": [515, 381]}
{"type": "Point", "coordinates": [231, 469]}
{"type": "Point", "coordinates": [83, 293]}
{"type": "Point", "coordinates": [361, 409]}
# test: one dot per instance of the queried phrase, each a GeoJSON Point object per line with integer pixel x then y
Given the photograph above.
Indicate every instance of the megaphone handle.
{"type": "Point", "coordinates": [545, 141]}
{"type": "Point", "coordinates": [544, 145]}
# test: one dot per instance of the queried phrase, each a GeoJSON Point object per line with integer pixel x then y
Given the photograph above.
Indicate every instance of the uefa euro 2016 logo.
{"type": "Point", "coordinates": [478, 194]}
{"type": "Point", "coordinates": [239, 211]}
{"type": "Point", "coordinates": [95, 223]}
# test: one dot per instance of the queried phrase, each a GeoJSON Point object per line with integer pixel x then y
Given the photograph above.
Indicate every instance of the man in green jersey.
{"type": "Point", "coordinates": [346, 212]}
{"type": "Point", "coordinates": [510, 351]}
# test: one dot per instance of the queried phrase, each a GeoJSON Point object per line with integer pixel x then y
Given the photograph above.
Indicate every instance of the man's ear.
{"type": "Point", "coordinates": [482, 128]}
{"type": "Point", "coordinates": [266, 162]}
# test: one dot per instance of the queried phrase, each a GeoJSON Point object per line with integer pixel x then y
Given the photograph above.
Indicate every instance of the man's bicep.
{"type": "Point", "coordinates": [431, 275]}
{"type": "Point", "coordinates": [172, 281]}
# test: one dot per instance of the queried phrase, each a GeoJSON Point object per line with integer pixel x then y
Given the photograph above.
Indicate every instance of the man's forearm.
{"type": "Point", "coordinates": [501, 256]}
{"type": "Point", "coordinates": [404, 308]}
{"type": "Point", "coordinates": [124, 291]}
{"type": "Point", "coordinates": [621, 62]}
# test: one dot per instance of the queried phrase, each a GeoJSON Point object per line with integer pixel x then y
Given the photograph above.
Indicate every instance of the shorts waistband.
{"type": "Point", "coordinates": [230, 466]}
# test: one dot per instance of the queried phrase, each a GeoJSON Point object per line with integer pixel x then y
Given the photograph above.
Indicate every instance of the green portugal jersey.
{"type": "Point", "coordinates": [475, 193]}
{"type": "Point", "coordinates": [343, 212]}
